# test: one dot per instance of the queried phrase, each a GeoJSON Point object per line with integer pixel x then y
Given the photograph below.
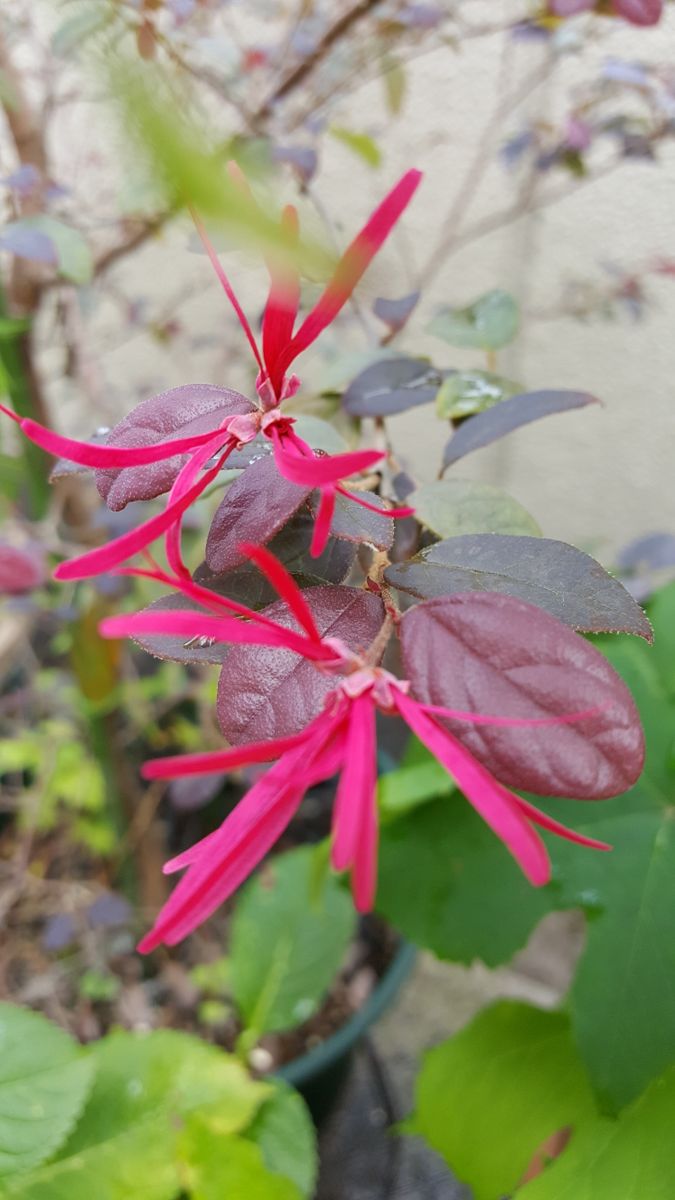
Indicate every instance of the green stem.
{"type": "Point", "coordinates": [16, 359]}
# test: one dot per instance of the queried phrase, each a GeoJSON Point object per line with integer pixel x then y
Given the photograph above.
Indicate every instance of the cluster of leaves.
{"type": "Point", "coordinates": [445, 885]}
{"type": "Point", "coordinates": [157, 1115]}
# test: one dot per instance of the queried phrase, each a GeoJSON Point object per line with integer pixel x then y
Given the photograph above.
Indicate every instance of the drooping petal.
{"type": "Point", "coordinates": [104, 558]}
{"type": "Point", "coordinates": [227, 288]}
{"type": "Point", "coordinates": [221, 862]}
{"type": "Point", "coordinates": [546, 822]}
{"type": "Point", "coordinates": [364, 870]}
{"type": "Point", "coordinates": [183, 623]}
{"type": "Point", "coordinates": [357, 782]}
{"type": "Point", "coordinates": [352, 265]}
{"type": "Point", "coordinates": [323, 521]}
{"type": "Point", "coordinates": [212, 601]}
{"type": "Point", "coordinates": [283, 582]}
{"type": "Point", "coordinates": [178, 766]}
{"type": "Point", "coordinates": [182, 484]}
{"type": "Point", "coordinates": [320, 470]}
{"type": "Point", "coordinates": [88, 454]}
{"type": "Point", "coordinates": [497, 806]}
{"type": "Point", "coordinates": [362, 499]}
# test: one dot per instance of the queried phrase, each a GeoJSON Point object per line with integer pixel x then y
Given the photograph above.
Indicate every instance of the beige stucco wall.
{"type": "Point", "coordinates": [595, 477]}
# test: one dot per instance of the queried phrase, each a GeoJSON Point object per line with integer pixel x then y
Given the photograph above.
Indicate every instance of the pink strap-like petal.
{"type": "Point", "coordinates": [364, 871]}
{"type": "Point", "coordinates": [362, 499]}
{"type": "Point", "coordinates": [104, 558]}
{"type": "Point", "coordinates": [182, 623]}
{"type": "Point", "coordinates": [87, 454]}
{"type": "Point", "coordinates": [546, 822]}
{"type": "Point", "coordinates": [320, 470]}
{"type": "Point", "coordinates": [282, 305]}
{"type": "Point", "coordinates": [498, 807]}
{"type": "Point", "coordinates": [182, 484]}
{"type": "Point", "coordinates": [220, 863]}
{"type": "Point", "coordinates": [285, 585]}
{"type": "Point", "coordinates": [178, 766]}
{"type": "Point", "coordinates": [227, 288]}
{"type": "Point", "coordinates": [357, 782]}
{"type": "Point", "coordinates": [527, 722]}
{"type": "Point", "coordinates": [355, 260]}
{"type": "Point", "coordinates": [323, 521]}
{"type": "Point", "coordinates": [212, 601]}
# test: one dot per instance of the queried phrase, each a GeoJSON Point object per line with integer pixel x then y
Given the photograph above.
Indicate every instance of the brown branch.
{"type": "Point", "coordinates": [342, 26]}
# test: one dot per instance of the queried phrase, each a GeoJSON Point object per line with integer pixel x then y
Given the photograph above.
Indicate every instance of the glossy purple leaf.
{"type": "Point", "coordinates": [263, 694]}
{"type": "Point", "coordinates": [486, 427]}
{"type": "Point", "coordinates": [28, 243]}
{"type": "Point", "coordinates": [395, 313]}
{"type": "Point", "coordinates": [391, 386]}
{"type": "Point", "coordinates": [21, 570]}
{"type": "Point", "coordinates": [181, 411]}
{"type": "Point", "coordinates": [555, 576]}
{"type": "Point", "coordinates": [254, 508]}
{"type": "Point", "coordinates": [354, 523]}
{"type": "Point", "coordinates": [486, 653]}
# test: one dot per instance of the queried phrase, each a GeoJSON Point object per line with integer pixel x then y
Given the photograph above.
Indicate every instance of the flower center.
{"type": "Point", "coordinates": [380, 683]}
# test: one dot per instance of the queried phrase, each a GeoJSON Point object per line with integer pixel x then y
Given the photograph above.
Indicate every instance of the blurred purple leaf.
{"type": "Point", "coordinates": [513, 150]}
{"type": "Point", "coordinates": [421, 16]}
{"type": "Point", "coordinates": [303, 159]}
{"type": "Point", "coordinates": [21, 570]}
{"type": "Point", "coordinates": [494, 423]}
{"type": "Point", "coordinates": [28, 243]}
{"type": "Point", "coordinates": [649, 553]}
{"type": "Point", "coordinates": [109, 910]}
{"type": "Point", "coordinates": [194, 792]}
{"type": "Point", "coordinates": [395, 313]}
{"type": "Point", "coordinates": [488, 653]}
{"type": "Point", "coordinates": [24, 180]}
{"type": "Point", "coordinates": [59, 932]}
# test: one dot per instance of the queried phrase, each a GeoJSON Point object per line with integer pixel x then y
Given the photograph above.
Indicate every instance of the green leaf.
{"type": "Point", "coordinates": [662, 614]}
{"type": "Point", "coordinates": [407, 787]}
{"type": "Point", "coordinates": [123, 1147]}
{"type": "Point", "coordinates": [285, 951]}
{"type": "Point", "coordinates": [488, 324]}
{"type": "Point", "coordinates": [468, 392]}
{"type": "Point", "coordinates": [487, 1098]}
{"type": "Point", "coordinates": [44, 1081]}
{"type": "Point", "coordinates": [217, 1167]}
{"type": "Point", "coordinates": [628, 1159]}
{"type": "Point", "coordinates": [446, 882]}
{"type": "Point", "coordinates": [451, 507]}
{"type": "Point", "coordinates": [360, 144]}
{"type": "Point", "coordinates": [284, 1132]}
{"type": "Point", "coordinates": [394, 80]}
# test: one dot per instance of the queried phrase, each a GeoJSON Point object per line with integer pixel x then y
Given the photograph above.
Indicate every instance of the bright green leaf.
{"type": "Point", "coordinates": [406, 788]}
{"type": "Point", "coordinates": [487, 1098]}
{"type": "Point", "coordinates": [220, 1168]}
{"type": "Point", "coordinates": [44, 1081]}
{"type": "Point", "coordinates": [466, 393]}
{"type": "Point", "coordinates": [628, 1159]}
{"type": "Point", "coordinates": [360, 144]}
{"type": "Point", "coordinates": [662, 615]}
{"type": "Point", "coordinates": [451, 507]}
{"type": "Point", "coordinates": [447, 883]}
{"type": "Point", "coordinates": [284, 1132]}
{"type": "Point", "coordinates": [488, 324]}
{"type": "Point", "coordinates": [286, 950]}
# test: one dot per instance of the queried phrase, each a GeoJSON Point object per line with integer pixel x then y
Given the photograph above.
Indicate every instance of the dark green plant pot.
{"type": "Point", "coordinates": [320, 1074]}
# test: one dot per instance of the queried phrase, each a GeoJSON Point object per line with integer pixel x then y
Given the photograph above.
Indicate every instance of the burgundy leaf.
{"type": "Point", "coordinates": [639, 12]}
{"type": "Point", "coordinates": [253, 509]}
{"type": "Point", "coordinates": [553, 575]}
{"type": "Point", "coordinates": [355, 523]}
{"type": "Point", "coordinates": [392, 386]}
{"type": "Point", "coordinates": [395, 313]}
{"type": "Point", "coordinates": [486, 427]}
{"type": "Point", "coordinates": [182, 411]}
{"type": "Point", "coordinates": [267, 694]}
{"type": "Point", "coordinates": [177, 649]}
{"type": "Point", "coordinates": [486, 653]}
{"type": "Point", "coordinates": [20, 570]}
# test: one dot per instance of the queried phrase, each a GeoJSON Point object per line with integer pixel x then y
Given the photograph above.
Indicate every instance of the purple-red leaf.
{"type": "Point", "coordinates": [20, 570]}
{"type": "Point", "coordinates": [639, 12]}
{"type": "Point", "coordinates": [496, 422]}
{"type": "Point", "coordinates": [392, 386]}
{"type": "Point", "coordinates": [354, 523]}
{"type": "Point", "coordinates": [177, 649]}
{"type": "Point", "coordinates": [265, 695]}
{"type": "Point", "coordinates": [395, 313]}
{"type": "Point", "coordinates": [192, 409]}
{"type": "Point", "coordinates": [254, 508]}
{"type": "Point", "coordinates": [553, 575]}
{"type": "Point", "coordinates": [486, 653]}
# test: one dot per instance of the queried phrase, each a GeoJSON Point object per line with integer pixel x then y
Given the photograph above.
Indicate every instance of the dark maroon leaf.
{"type": "Point", "coordinates": [265, 693]}
{"type": "Point", "coordinates": [395, 313]}
{"type": "Point", "coordinates": [392, 386]}
{"type": "Point", "coordinates": [355, 523]}
{"type": "Point", "coordinates": [20, 570]}
{"type": "Point", "coordinates": [496, 422]}
{"type": "Point", "coordinates": [485, 653]}
{"type": "Point", "coordinates": [553, 575]}
{"type": "Point", "coordinates": [194, 408]}
{"type": "Point", "coordinates": [254, 508]}
{"type": "Point", "coordinates": [175, 649]}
